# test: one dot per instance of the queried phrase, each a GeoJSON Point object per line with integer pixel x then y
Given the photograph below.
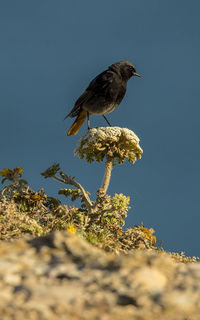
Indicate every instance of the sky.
{"type": "Point", "coordinates": [49, 52]}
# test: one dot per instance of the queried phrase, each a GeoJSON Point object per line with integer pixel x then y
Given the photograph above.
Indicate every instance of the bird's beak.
{"type": "Point", "coordinates": [136, 74]}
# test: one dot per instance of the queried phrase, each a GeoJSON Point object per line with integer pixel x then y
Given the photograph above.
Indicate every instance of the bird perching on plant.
{"type": "Point", "coordinates": [103, 95]}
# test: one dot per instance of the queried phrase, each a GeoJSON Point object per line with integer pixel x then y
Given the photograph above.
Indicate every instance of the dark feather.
{"type": "Point", "coordinates": [105, 91]}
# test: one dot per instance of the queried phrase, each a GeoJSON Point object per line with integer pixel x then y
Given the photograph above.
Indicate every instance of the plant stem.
{"type": "Point", "coordinates": [107, 174]}
{"type": "Point", "coordinates": [58, 179]}
{"type": "Point", "coordinates": [73, 182]}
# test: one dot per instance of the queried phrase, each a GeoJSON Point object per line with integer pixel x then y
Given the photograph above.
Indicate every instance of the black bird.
{"type": "Point", "coordinates": [103, 95]}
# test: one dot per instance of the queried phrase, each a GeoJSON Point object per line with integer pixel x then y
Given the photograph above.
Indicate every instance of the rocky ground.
{"type": "Point", "coordinates": [61, 276]}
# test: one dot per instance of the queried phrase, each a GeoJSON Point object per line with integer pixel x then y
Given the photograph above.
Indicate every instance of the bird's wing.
{"type": "Point", "coordinates": [99, 86]}
{"type": "Point", "coordinates": [82, 99]}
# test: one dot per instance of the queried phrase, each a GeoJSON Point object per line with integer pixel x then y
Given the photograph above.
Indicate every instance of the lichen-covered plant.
{"type": "Point", "coordinates": [113, 144]}
{"type": "Point", "coordinates": [101, 220]}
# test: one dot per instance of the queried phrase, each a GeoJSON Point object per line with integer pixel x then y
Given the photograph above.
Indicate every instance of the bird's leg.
{"type": "Point", "coordinates": [88, 120]}
{"type": "Point", "coordinates": [107, 121]}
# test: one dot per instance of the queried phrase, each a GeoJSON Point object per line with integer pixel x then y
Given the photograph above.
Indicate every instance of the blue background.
{"type": "Point", "coordinates": [50, 50]}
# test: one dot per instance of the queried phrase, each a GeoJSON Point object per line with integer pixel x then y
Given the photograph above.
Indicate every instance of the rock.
{"type": "Point", "coordinates": [61, 276]}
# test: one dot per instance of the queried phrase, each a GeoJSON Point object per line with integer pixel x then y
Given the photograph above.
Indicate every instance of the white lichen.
{"type": "Point", "coordinates": [113, 142]}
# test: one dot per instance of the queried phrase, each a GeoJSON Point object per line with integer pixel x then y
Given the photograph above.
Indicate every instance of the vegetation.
{"type": "Point", "coordinates": [100, 221]}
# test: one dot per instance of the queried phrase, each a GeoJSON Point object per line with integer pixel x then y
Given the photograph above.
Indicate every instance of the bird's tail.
{"type": "Point", "coordinates": [77, 123]}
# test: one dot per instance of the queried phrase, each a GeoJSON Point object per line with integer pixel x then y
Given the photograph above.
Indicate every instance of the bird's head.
{"type": "Point", "coordinates": [125, 68]}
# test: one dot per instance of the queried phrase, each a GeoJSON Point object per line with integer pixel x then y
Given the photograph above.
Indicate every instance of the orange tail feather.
{"type": "Point", "coordinates": [77, 123]}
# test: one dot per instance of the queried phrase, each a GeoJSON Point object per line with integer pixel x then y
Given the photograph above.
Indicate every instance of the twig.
{"type": "Point", "coordinates": [58, 179]}
{"type": "Point", "coordinates": [68, 180]}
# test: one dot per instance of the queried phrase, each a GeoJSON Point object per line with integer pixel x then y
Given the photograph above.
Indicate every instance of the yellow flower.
{"type": "Point", "coordinates": [71, 229]}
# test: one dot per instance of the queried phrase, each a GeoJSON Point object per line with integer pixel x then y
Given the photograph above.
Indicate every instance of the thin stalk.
{"type": "Point", "coordinates": [73, 182]}
{"type": "Point", "coordinates": [107, 174]}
